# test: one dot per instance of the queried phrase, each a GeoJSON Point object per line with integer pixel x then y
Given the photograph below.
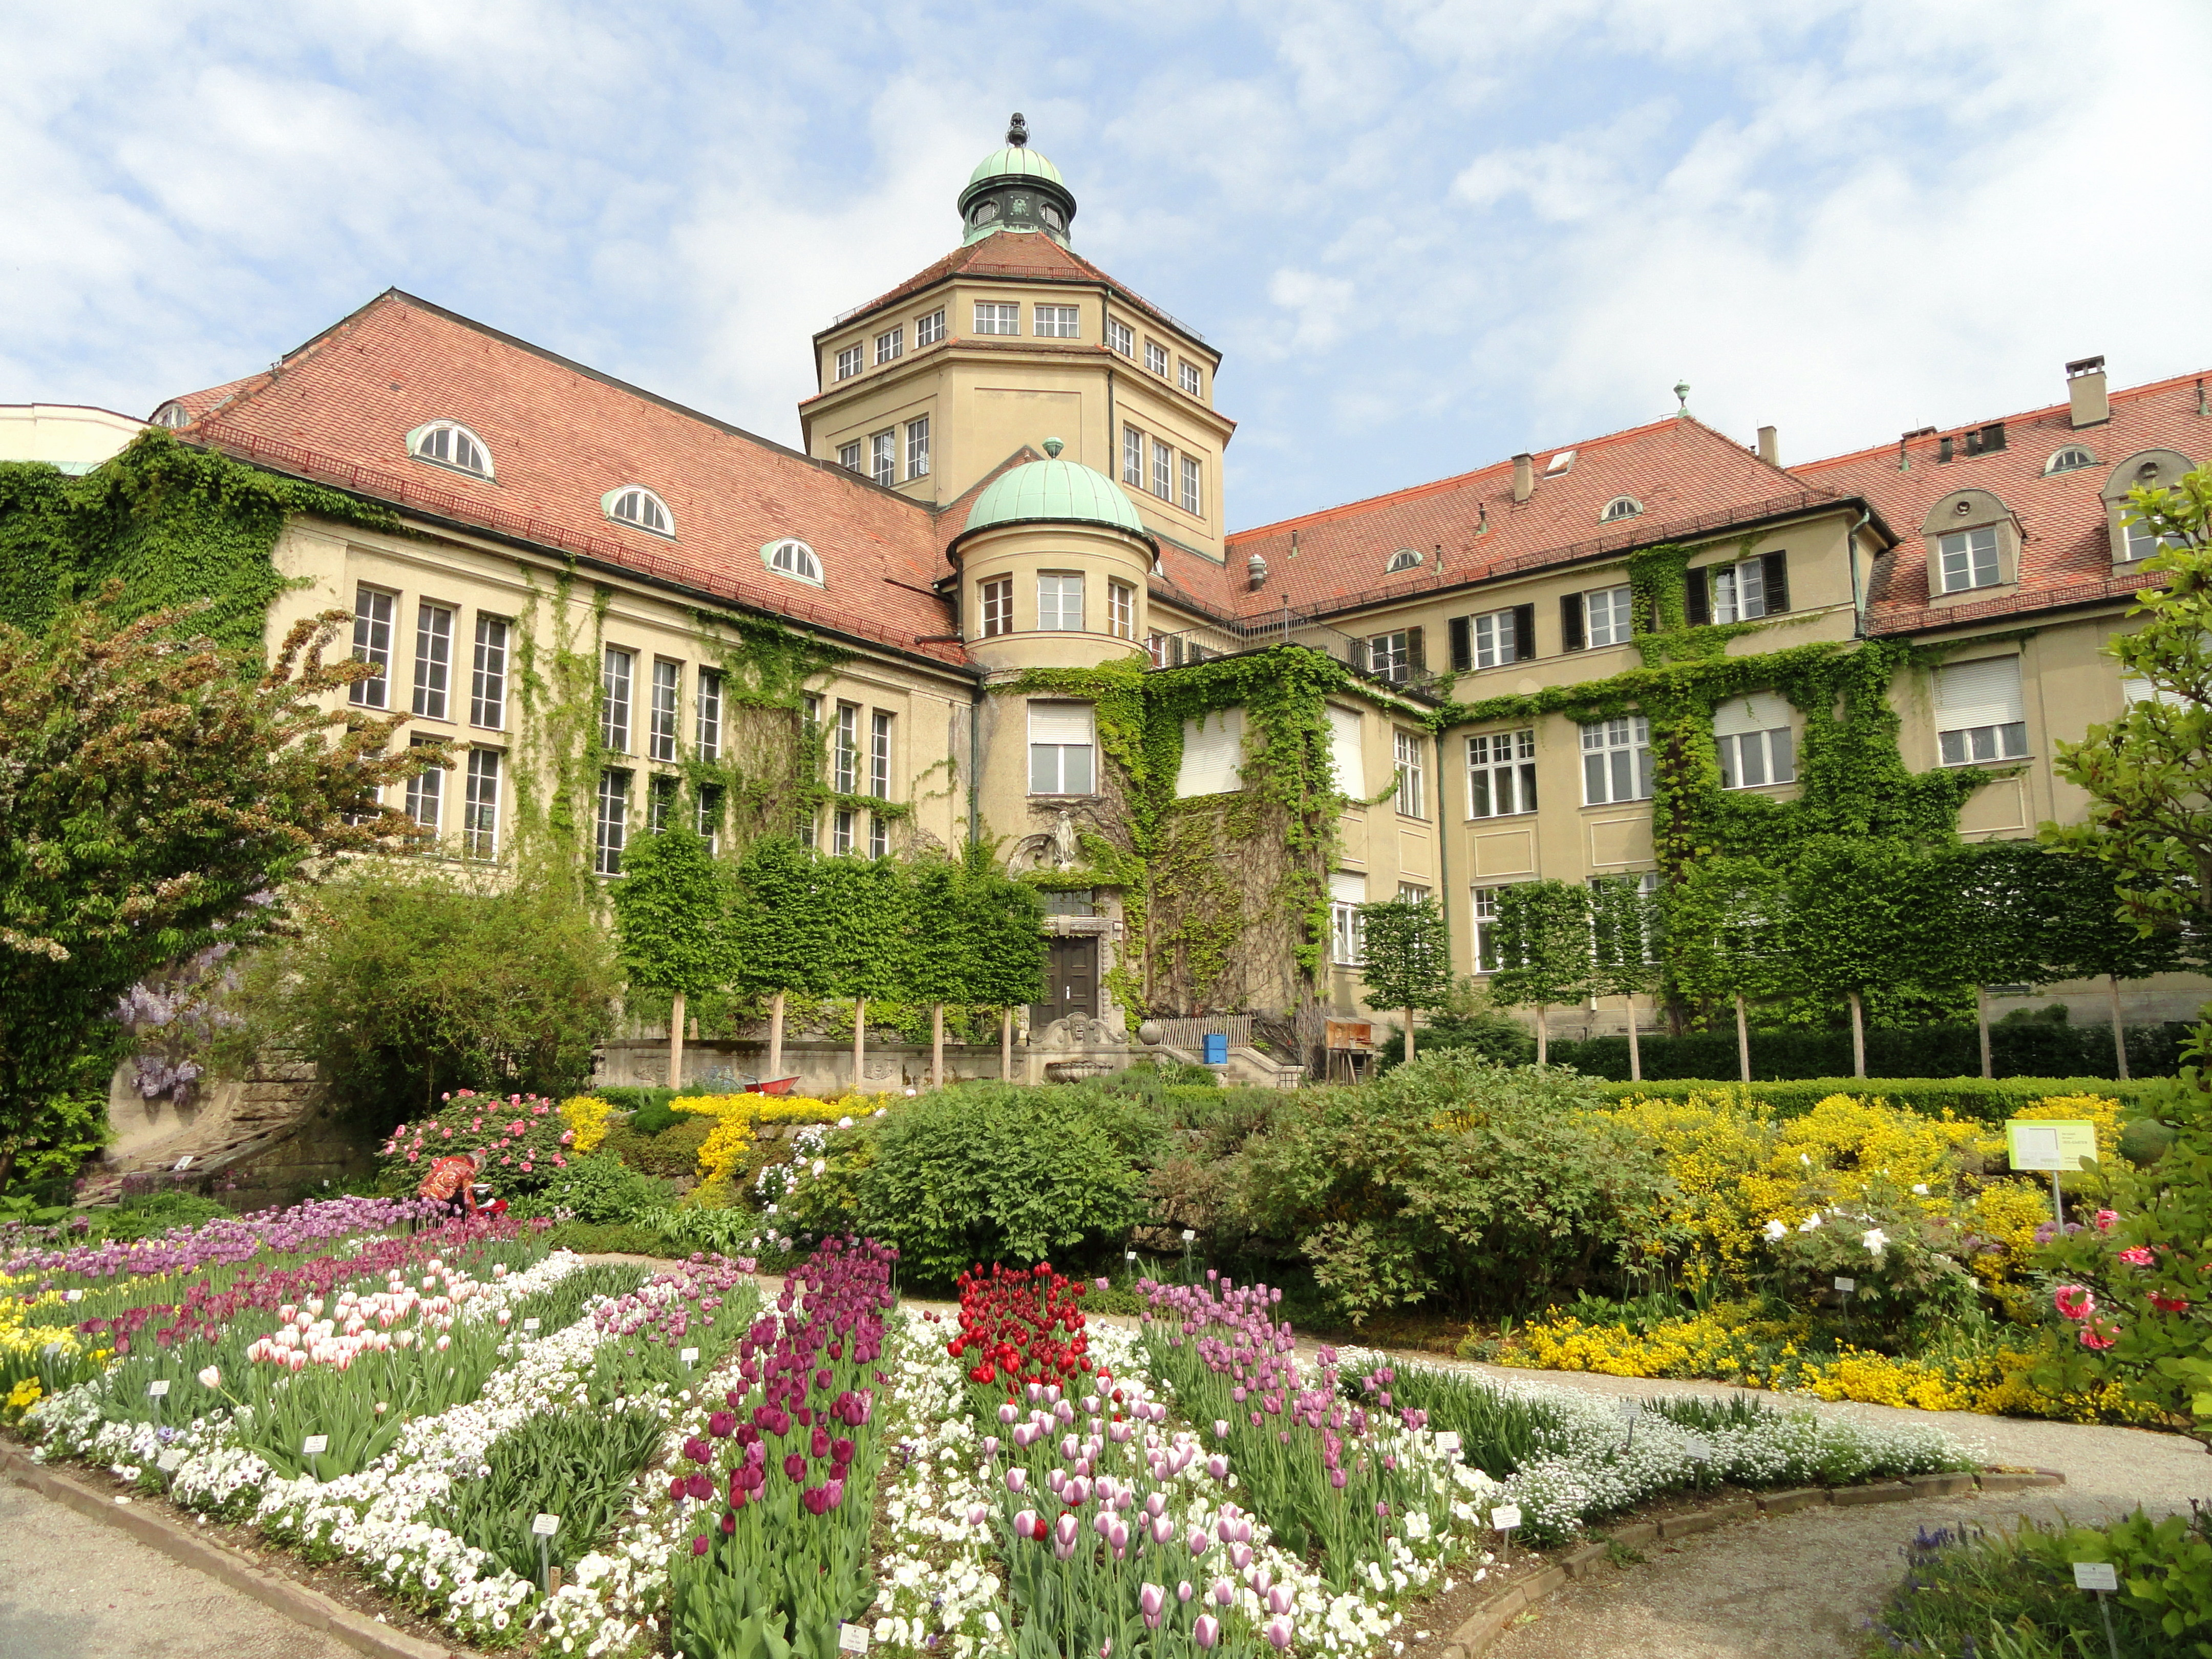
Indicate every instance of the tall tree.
{"type": "Point", "coordinates": [1724, 938]}
{"type": "Point", "coordinates": [940, 952]}
{"type": "Point", "coordinates": [1543, 934]}
{"type": "Point", "coordinates": [780, 930]}
{"type": "Point", "coordinates": [864, 903]}
{"type": "Point", "coordinates": [156, 796]}
{"type": "Point", "coordinates": [1623, 922]}
{"type": "Point", "coordinates": [1865, 913]}
{"type": "Point", "coordinates": [1989, 892]}
{"type": "Point", "coordinates": [2080, 926]}
{"type": "Point", "coordinates": [672, 907]}
{"type": "Point", "coordinates": [1408, 958]}
{"type": "Point", "coordinates": [1006, 956]}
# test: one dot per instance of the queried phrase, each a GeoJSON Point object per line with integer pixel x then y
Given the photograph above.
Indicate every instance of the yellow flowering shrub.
{"type": "Point", "coordinates": [26, 1394]}
{"type": "Point", "coordinates": [734, 1116]}
{"type": "Point", "coordinates": [1713, 1143]}
{"type": "Point", "coordinates": [586, 1116]}
{"type": "Point", "coordinates": [2099, 1109]}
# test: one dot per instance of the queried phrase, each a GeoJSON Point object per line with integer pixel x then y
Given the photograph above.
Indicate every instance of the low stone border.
{"type": "Point", "coordinates": [181, 1543]}
{"type": "Point", "coordinates": [1491, 1617]}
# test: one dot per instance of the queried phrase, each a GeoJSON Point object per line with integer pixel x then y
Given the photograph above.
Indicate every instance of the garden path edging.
{"type": "Point", "coordinates": [296, 1602]}
{"type": "Point", "coordinates": [1494, 1616]}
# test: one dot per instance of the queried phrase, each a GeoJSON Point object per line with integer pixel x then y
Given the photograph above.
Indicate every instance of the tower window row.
{"type": "Point", "coordinates": [1151, 463]}
{"type": "Point", "coordinates": [1060, 606]}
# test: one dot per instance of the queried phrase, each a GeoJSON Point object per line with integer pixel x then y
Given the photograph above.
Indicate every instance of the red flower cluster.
{"type": "Point", "coordinates": [1024, 1325]}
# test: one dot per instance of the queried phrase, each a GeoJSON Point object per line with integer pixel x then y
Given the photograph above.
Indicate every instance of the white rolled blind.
{"type": "Point", "coordinates": [1059, 722]}
{"type": "Point", "coordinates": [1345, 887]}
{"type": "Point", "coordinates": [1213, 750]}
{"type": "Point", "coordinates": [1981, 693]}
{"type": "Point", "coordinates": [1345, 751]}
{"type": "Point", "coordinates": [1741, 715]}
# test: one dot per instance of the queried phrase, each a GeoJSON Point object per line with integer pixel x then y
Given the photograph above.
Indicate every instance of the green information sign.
{"type": "Point", "coordinates": [2052, 1143]}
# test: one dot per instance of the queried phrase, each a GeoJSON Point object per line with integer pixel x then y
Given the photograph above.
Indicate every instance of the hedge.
{"type": "Point", "coordinates": [1965, 1096]}
{"type": "Point", "coordinates": [2037, 1050]}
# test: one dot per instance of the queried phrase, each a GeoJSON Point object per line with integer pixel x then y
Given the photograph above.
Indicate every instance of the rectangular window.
{"type": "Point", "coordinates": [1132, 456]}
{"type": "Point", "coordinates": [1501, 774]}
{"type": "Point", "coordinates": [890, 345]}
{"type": "Point", "coordinates": [848, 362]}
{"type": "Point", "coordinates": [480, 809]}
{"type": "Point", "coordinates": [991, 318]}
{"type": "Point", "coordinates": [1061, 745]}
{"type": "Point", "coordinates": [1158, 645]}
{"type": "Point", "coordinates": [1347, 931]}
{"type": "Point", "coordinates": [660, 803]}
{"type": "Point", "coordinates": [1413, 778]}
{"type": "Point", "coordinates": [1058, 322]}
{"type": "Point", "coordinates": [488, 685]}
{"type": "Point", "coordinates": [1120, 337]}
{"type": "Point", "coordinates": [1121, 610]}
{"type": "Point", "coordinates": [928, 330]}
{"type": "Point", "coordinates": [707, 725]}
{"type": "Point", "coordinates": [1390, 656]}
{"type": "Point", "coordinates": [1616, 760]}
{"type": "Point", "coordinates": [426, 792]}
{"type": "Point", "coordinates": [1485, 929]}
{"type": "Point", "coordinates": [879, 835]}
{"type": "Point", "coordinates": [883, 457]}
{"type": "Point", "coordinates": [1969, 558]}
{"type": "Point", "coordinates": [1059, 602]}
{"type": "Point", "coordinates": [1749, 759]}
{"type": "Point", "coordinates": [615, 670]}
{"type": "Point", "coordinates": [1412, 893]}
{"type": "Point", "coordinates": [1162, 459]}
{"type": "Point", "coordinates": [371, 644]}
{"type": "Point", "coordinates": [997, 606]}
{"type": "Point", "coordinates": [848, 457]}
{"type": "Point", "coordinates": [613, 826]}
{"type": "Point", "coordinates": [1738, 591]}
{"type": "Point", "coordinates": [1190, 495]}
{"type": "Point", "coordinates": [845, 750]}
{"type": "Point", "coordinates": [667, 685]}
{"type": "Point", "coordinates": [710, 816]}
{"type": "Point", "coordinates": [1979, 714]}
{"type": "Point", "coordinates": [917, 448]}
{"type": "Point", "coordinates": [1191, 380]}
{"type": "Point", "coordinates": [841, 832]}
{"type": "Point", "coordinates": [434, 660]}
{"type": "Point", "coordinates": [1156, 358]}
{"type": "Point", "coordinates": [1607, 613]}
{"type": "Point", "coordinates": [2142, 541]}
{"type": "Point", "coordinates": [1494, 638]}
{"type": "Point", "coordinates": [879, 754]}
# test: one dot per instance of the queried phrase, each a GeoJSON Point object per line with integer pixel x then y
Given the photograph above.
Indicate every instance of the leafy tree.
{"type": "Point", "coordinates": [1866, 913]}
{"type": "Point", "coordinates": [865, 904]}
{"type": "Point", "coordinates": [156, 796]}
{"type": "Point", "coordinates": [1543, 935]}
{"type": "Point", "coordinates": [1408, 958]}
{"type": "Point", "coordinates": [1006, 955]}
{"type": "Point", "coordinates": [1623, 922]}
{"type": "Point", "coordinates": [940, 967]}
{"type": "Point", "coordinates": [1991, 889]}
{"type": "Point", "coordinates": [779, 931]}
{"type": "Point", "coordinates": [2082, 926]}
{"type": "Point", "coordinates": [672, 905]}
{"type": "Point", "coordinates": [1725, 936]}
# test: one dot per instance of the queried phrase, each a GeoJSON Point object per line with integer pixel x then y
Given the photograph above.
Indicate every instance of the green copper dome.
{"type": "Point", "coordinates": [1015, 189]}
{"type": "Point", "coordinates": [1015, 161]}
{"type": "Point", "coordinates": [1053, 491]}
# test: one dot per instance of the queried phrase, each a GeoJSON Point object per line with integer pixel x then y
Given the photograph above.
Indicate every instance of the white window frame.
{"type": "Point", "coordinates": [1132, 456]}
{"type": "Point", "coordinates": [1188, 374]}
{"type": "Point", "coordinates": [841, 832]}
{"type": "Point", "coordinates": [890, 345]}
{"type": "Point", "coordinates": [917, 447]}
{"type": "Point", "coordinates": [451, 446]}
{"type": "Point", "coordinates": [880, 753]}
{"type": "Point", "coordinates": [1122, 610]}
{"type": "Point", "coordinates": [611, 822]}
{"type": "Point", "coordinates": [480, 807]}
{"type": "Point", "coordinates": [488, 675]}
{"type": "Point", "coordinates": [928, 330]}
{"type": "Point", "coordinates": [1501, 774]}
{"type": "Point", "coordinates": [848, 456]}
{"type": "Point", "coordinates": [997, 316]}
{"type": "Point", "coordinates": [433, 658]}
{"type": "Point", "coordinates": [994, 606]}
{"type": "Point", "coordinates": [845, 750]}
{"type": "Point", "coordinates": [1347, 927]}
{"type": "Point", "coordinates": [788, 556]}
{"type": "Point", "coordinates": [1736, 592]}
{"type": "Point", "coordinates": [1984, 742]}
{"type": "Point", "coordinates": [640, 508]}
{"type": "Point", "coordinates": [2062, 454]}
{"type": "Point", "coordinates": [2140, 541]}
{"type": "Point", "coordinates": [665, 706]}
{"type": "Point", "coordinates": [426, 791]}
{"type": "Point", "coordinates": [1060, 601]}
{"type": "Point", "coordinates": [1410, 756]}
{"type": "Point", "coordinates": [1619, 508]}
{"type": "Point", "coordinates": [1390, 656]}
{"type": "Point", "coordinates": [879, 835]}
{"type": "Point", "coordinates": [1120, 337]}
{"type": "Point", "coordinates": [373, 611]}
{"type": "Point", "coordinates": [849, 361]}
{"type": "Point", "coordinates": [1156, 647]}
{"type": "Point", "coordinates": [1063, 767]}
{"type": "Point", "coordinates": [707, 716]}
{"type": "Point", "coordinates": [1192, 499]}
{"type": "Point", "coordinates": [708, 820]}
{"type": "Point", "coordinates": [1494, 638]}
{"type": "Point", "coordinates": [1057, 322]}
{"type": "Point", "coordinates": [1613, 604]}
{"type": "Point", "coordinates": [1970, 558]}
{"type": "Point", "coordinates": [883, 456]}
{"type": "Point", "coordinates": [617, 680]}
{"type": "Point", "coordinates": [1616, 760]}
{"type": "Point", "coordinates": [660, 795]}
{"type": "Point", "coordinates": [1753, 760]}
{"type": "Point", "coordinates": [1163, 471]}
{"type": "Point", "coordinates": [1156, 358]}
{"type": "Point", "coordinates": [1484, 910]}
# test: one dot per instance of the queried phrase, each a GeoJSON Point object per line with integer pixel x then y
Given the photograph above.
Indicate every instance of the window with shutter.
{"type": "Point", "coordinates": [1979, 713]}
{"type": "Point", "coordinates": [1060, 749]}
{"type": "Point", "coordinates": [1462, 648]}
{"type": "Point", "coordinates": [1212, 752]}
{"type": "Point", "coordinates": [1417, 654]}
{"type": "Point", "coordinates": [1697, 600]}
{"type": "Point", "coordinates": [1778, 582]}
{"type": "Point", "coordinates": [1348, 938]}
{"type": "Point", "coordinates": [1571, 623]}
{"type": "Point", "coordinates": [1524, 631]}
{"type": "Point", "coordinates": [1346, 756]}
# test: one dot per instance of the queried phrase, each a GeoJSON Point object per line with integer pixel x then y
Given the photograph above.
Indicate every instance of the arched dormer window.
{"type": "Point", "coordinates": [172, 414]}
{"type": "Point", "coordinates": [634, 504]}
{"type": "Point", "coordinates": [448, 443]}
{"type": "Point", "coordinates": [1973, 542]}
{"type": "Point", "coordinates": [791, 557]}
{"type": "Point", "coordinates": [1404, 559]}
{"type": "Point", "coordinates": [2068, 458]}
{"type": "Point", "coordinates": [1620, 507]}
{"type": "Point", "coordinates": [2147, 469]}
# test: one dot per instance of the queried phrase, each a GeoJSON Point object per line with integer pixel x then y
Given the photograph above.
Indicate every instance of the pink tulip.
{"type": "Point", "coordinates": [1279, 1633]}
{"type": "Point", "coordinates": [2105, 1218]}
{"type": "Point", "coordinates": [1016, 1478]}
{"type": "Point", "coordinates": [1206, 1631]}
{"type": "Point", "coordinates": [1151, 1598]}
{"type": "Point", "coordinates": [1026, 1525]}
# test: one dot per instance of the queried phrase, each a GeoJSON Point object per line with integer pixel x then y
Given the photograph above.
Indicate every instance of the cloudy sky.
{"type": "Point", "coordinates": [1425, 234]}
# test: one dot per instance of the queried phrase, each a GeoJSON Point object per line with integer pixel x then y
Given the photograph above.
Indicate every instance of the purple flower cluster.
{"type": "Point", "coordinates": [228, 1241]}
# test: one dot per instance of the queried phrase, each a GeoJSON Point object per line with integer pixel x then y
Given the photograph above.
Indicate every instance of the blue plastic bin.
{"type": "Point", "coordinates": [1217, 1049]}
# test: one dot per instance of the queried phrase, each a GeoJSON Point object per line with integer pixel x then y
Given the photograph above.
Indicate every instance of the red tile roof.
{"type": "Point", "coordinates": [199, 404]}
{"type": "Point", "coordinates": [2066, 554]}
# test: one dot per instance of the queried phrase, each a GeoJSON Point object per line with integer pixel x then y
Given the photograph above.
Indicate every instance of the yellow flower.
{"type": "Point", "coordinates": [724, 1150]}
{"type": "Point", "coordinates": [586, 1117]}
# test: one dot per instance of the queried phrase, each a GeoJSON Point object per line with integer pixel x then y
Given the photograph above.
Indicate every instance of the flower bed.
{"type": "Point", "coordinates": [521, 1139]}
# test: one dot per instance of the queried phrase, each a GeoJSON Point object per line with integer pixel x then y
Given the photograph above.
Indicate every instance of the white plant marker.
{"type": "Point", "coordinates": [1503, 1520]}
{"type": "Point", "coordinates": [313, 1448]}
{"type": "Point", "coordinates": [2100, 1577]}
{"type": "Point", "coordinates": [542, 1528]}
{"type": "Point", "coordinates": [158, 1390]}
{"type": "Point", "coordinates": [851, 1639]}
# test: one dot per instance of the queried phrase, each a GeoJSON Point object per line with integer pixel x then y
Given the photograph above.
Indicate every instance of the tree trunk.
{"type": "Point", "coordinates": [1409, 1037]}
{"type": "Point", "coordinates": [1982, 1020]}
{"type": "Point", "coordinates": [2119, 1031]}
{"type": "Point", "coordinates": [1742, 1040]}
{"type": "Point", "coordinates": [774, 1037]}
{"type": "Point", "coordinates": [1543, 1035]}
{"type": "Point", "coordinates": [1858, 1036]}
{"type": "Point", "coordinates": [676, 1044]}
{"type": "Point", "coordinates": [1635, 1055]}
{"type": "Point", "coordinates": [859, 1042]}
{"type": "Point", "coordinates": [1006, 1045]}
{"type": "Point", "coordinates": [937, 1045]}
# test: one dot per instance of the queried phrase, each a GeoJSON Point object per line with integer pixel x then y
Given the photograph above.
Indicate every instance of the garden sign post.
{"type": "Point", "coordinates": [2052, 1144]}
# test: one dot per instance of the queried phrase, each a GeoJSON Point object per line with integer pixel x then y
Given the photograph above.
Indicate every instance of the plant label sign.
{"type": "Point", "coordinates": [1697, 1450]}
{"type": "Point", "coordinates": [1846, 1285]}
{"type": "Point", "coordinates": [544, 1526]}
{"type": "Point", "coordinates": [314, 1445]}
{"type": "Point", "coordinates": [2095, 1576]}
{"type": "Point", "coordinates": [1505, 1518]}
{"type": "Point", "coordinates": [183, 1163]}
{"type": "Point", "coordinates": [157, 1390]}
{"type": "Point", "coordinates": [1449, 1442]}
{"type": "Point", "coordinates": [2050, 1143]}
{"type": "Point", "coordinates": [1628, 1409]}
{"type": "Point", "coordinates": [75, 1295]}
{"type": "Point", "coordinates": [851, 1639]}
{"type": "Point", "coordinates": [691, 1357]}
{"type": "Point", "coordinates": [531, 1324]}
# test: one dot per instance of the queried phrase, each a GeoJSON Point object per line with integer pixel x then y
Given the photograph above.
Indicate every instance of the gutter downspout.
{"type": "Point", "coordinates": [975, 765]}
{"type": "Point", "coordinates": [1444, 861]}
{"type": "Point", "coordinates": [1852, 553]}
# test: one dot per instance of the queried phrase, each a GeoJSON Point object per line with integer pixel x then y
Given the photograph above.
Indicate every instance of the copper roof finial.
{"type": "Point", "coordinates": [1018, 131]}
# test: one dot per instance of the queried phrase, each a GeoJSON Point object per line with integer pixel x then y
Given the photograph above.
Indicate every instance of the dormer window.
{"type": "Point", "coordinates": [2070, 458]}
{"type": "Point", "coordinates": [793, 558]}
{"type": "Point", "coordinates": [449, 444]}
{"type": "Point", "coordinates": [2148, 469]}
{"type": "Point", "coordinates": [634, 504]}
{"type": "Point", "coordinates": [1620, 507]}
{"type": "Point", "coordinates": [1973, 542]}
{"type": "Point", "coordinates": [1404, 559]}
{"type": "Point", "coordinates": [1969, 558]}
{"type": "Point", "coordinates": [171, 415]}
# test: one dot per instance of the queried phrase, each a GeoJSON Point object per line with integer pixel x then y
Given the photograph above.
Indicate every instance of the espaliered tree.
{"type": "Point", "coordinates": [673, 913]}
{"type": "Point", "coordinates": [1408, 958]}
{"type": "Point", "coordinates": [1866, 913]}
{"type": "Point", "coordinates": [2085, 929]}
{"type": "Point", "coordinates": [1006, 945]}
{"type": "Point", "coordinates": [780, 931]}
{"type": "Point", "coordinates": [1624, 925]}
{"type": "Point", "coordinates": [1543, 943]}
{"type": "Point", "coordinates": [1724, 933]}
{"type": "Point", "coordinates": [1992, 892]}
{"type": "Point", "coordinates": [864, 904]}
{"type": "Point", "coordinates": [940, 948]}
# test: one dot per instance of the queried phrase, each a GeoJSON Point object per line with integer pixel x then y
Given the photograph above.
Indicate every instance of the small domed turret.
{"type": "Point", "coordinates": [1054, 491]}
{"type": "Point", "coordinates": [1016, 189]}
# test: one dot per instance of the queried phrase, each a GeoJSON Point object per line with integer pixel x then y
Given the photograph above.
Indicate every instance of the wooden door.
{"type": "Point", "coordinates": [1070, 981]}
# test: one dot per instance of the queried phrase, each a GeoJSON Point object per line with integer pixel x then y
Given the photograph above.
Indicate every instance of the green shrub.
{"type": "Point", "coordinates": [2027, 1050]}
{"type": "Point", "coordinates": [622, 1238]}
{"type": "Point", "coordinates": [648, 1108]}
{"type": "Point", "coordinates": [671, 1154]}
{"type": "Point", "coordinates": [599, 1189]}
{"type": "Point", "coordinates": [1970, 1097]}
{"type": "Point", "coordinates": [152, 1214]}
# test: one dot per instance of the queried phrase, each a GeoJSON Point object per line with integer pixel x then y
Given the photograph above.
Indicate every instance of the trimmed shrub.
{"type": "Point", "coordinates": [2037, 1049]}
{"type": "Point", "coordinates": [648, 1108]}
{"type": "Point", "coordinates": [1981, 1100]}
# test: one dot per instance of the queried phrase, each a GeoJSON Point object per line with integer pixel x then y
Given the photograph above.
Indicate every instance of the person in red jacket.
{"type": "Point", "coordinates": [450, 1181]}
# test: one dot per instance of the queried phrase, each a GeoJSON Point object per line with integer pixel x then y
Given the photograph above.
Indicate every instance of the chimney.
{"type": "Point", "coordinates": [2085, 391]}
{"type": "Point", "coordinates": [1524, 476]}
{"type": "Point", "coordinates": [1255, 571]}
{"type": "Point", "coordinates": [1770, 446]}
